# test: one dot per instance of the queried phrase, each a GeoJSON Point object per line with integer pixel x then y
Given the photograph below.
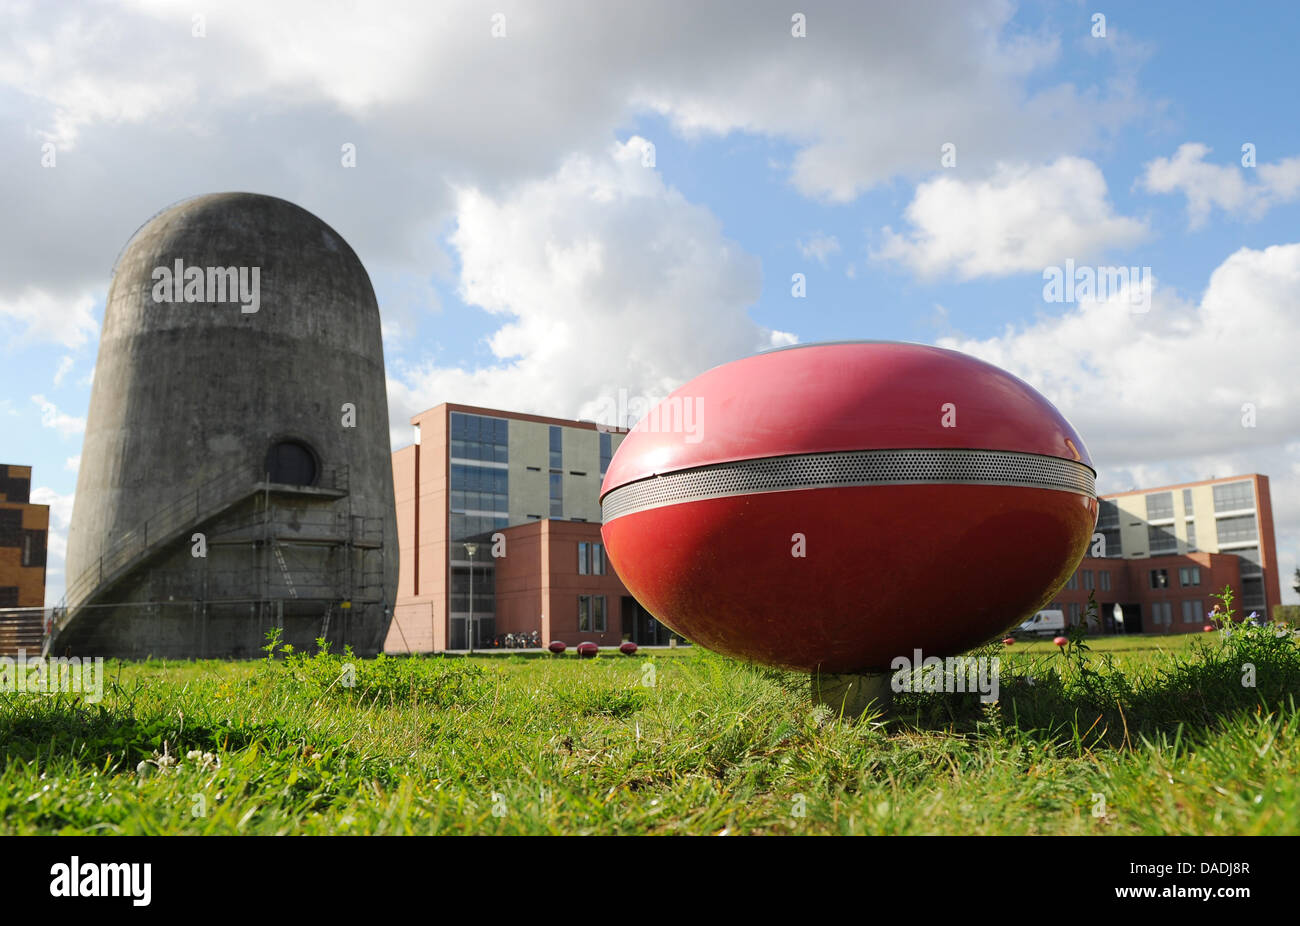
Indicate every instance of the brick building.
{"type": "Point", "coordinates": [533, 483]}
{"type": "Point", "coordinates": [24, 531]}
{"type": "Point", "coordinates": [1168, 548]}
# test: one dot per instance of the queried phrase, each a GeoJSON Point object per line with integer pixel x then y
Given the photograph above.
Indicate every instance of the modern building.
{"type": "Point", "coordinates": [24, 531]}
{"type": "Point", "coordinates": [509, 503]}
{"type": "Point", "coordinates": [1169, 548]}
{"type": "Point", "coordinates": [235, 474]}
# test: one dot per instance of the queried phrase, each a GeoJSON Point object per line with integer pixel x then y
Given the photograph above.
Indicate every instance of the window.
{"type": "Point", "coordinates": [1187, 501]}
{"type": "Point", "coordinates": [1160, 505]}
{"type": "Point", "coordinates": [1241, 527]}
{"type": "Point", "coordinates": [1233, 495]}
{"type": "Point", "coordinates": [1074, 581]}
{"type": "Point", "coordinates": [1089, 581]}
{"type": "Point", "coordinates": [557, 495]}
{"type": "Point", "coordinates": [1161, 540]}
{"type": "Point", "coordinates": [479, 497]}
{"type": "Point", "coordinates": [478, 437]}
{"type": "Point", "coordinates": [557, 447]}
{"type": "Point", "coordinates": [1105, 580]}
{"type": "Point", "coordinates": [27, 549]}
{"type": "Point", "coordinates": [1249, 557]}
{"type": "Point", "coordinates": [1076, 610]}
{"type": "Point", "coordinates": [1159, 578]}
{"type": "Point", "coordinates": [1191, 535]}
{"type": "Point", "coordinates": [1192, 612]}
{"type": "Point", "coordinates": [1162, 613]}
{"type": "Point", "coordinates": [1108, 527]}
{"type": "Point", "coordinates": [9, 596]}
{"type": "Point", "coordinates": [1189, 576]}
{"type": "Point", "coordinates": [591, 613]}
{"type": "Point", "coordinates": [606, 451]}
{"type": "Point", "coordinates": [591, 559]}
{"type": "Point", "coordinates": [291, 462]}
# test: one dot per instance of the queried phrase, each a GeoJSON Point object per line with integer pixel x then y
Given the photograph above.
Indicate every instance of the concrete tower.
{"type": "Point", "coordinates": [235, 474]}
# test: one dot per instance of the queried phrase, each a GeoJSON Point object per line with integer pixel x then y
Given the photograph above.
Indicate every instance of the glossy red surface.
{"type": "Point", "coordinates": [587, 649]}
{"type": "Point", "coordinates": [557, 646]}
{"type": "Point", "coordinates": [627, 648]}
{"type": "Point", "coordinates": [843, 396]}
{"type": "Point", "coordinates": [888, 569]}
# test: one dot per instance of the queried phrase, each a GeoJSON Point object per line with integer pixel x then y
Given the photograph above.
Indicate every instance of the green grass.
{"type": "Point", "coordinates": [1160, 729]}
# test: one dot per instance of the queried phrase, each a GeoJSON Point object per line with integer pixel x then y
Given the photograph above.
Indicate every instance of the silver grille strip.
{"type": "Point", "coordinates": [850, 468]}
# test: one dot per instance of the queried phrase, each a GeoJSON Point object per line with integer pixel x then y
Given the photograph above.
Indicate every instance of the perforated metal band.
{"type": "Point", "coordinates": [851, 468]}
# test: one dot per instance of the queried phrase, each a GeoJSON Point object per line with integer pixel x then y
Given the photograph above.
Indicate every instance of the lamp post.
{"type": "Point", "coordinates": [471, 549]}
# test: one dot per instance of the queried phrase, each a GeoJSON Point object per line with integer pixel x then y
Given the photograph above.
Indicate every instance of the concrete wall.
{"type": "Point", "coordinates": [185, 392]}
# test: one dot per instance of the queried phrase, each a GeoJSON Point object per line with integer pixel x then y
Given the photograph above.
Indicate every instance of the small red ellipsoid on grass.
{"type": "Point", "coordinates": [627, 648]}
{"type": "Point", "coordinates": [1208, 628]}
{"type": "Point", "coordinates": [1009, 641]}
{"type": "Point", "coordinates": [1060, 641]}
{"type": "Point", "coordinates": [587, 649]}
{"type": "Point", "coordinates": [830, 507]}
{"type": "Point", "coordinates": [557, 646]}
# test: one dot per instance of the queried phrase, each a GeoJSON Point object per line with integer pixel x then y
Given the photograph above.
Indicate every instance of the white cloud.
{"type": "Point", "coordinates": [434, 103]}
{"type": "Point", "coordinates": [1228, 187]}
{"type": "Point", "coordinates": [602, 279]}
{"type": "Point", "coordinates": [72, 464]}
{"type": "Point", "coordinates": [51, 417]}
{"type": "Point", "coordinates": [1022, 218]}
{"type": "Point", "coordinates": [819, 247]}
{"type": "Point", "coordinates": [43, 315]}
{"type": "Point", "coordinates": [1158, 397]}
{"type": "Point", "coordinates": [65, 367]}
{"type": "Point", "coordinates": [56, 540]}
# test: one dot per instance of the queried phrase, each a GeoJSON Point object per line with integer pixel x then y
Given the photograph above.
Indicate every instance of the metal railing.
{"type": "Point", "coordinates": [164, 525]}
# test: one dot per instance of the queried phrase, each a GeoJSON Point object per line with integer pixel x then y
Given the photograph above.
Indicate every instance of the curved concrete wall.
{"type": "Point", "coordinates": [186, 391]}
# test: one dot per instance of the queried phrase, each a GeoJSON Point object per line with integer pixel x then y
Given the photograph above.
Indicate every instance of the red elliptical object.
{"type": "Point", "coordinates": [831, 506]}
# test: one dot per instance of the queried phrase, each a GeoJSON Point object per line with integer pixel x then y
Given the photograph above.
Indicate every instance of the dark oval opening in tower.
{"type": "Point", "coordinates": [291, 462]}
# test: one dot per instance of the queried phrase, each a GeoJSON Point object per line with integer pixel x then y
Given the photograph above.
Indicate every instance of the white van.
{"type": "Point", "coordinates": [1044, 623]}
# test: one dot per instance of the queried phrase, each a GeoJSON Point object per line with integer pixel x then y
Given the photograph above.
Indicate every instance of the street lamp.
{"type": "Point", "coordinates": [471, 549]}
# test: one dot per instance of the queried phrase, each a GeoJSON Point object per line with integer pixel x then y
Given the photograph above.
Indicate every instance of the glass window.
{"type": "Point", "coordinates": [1249, 557]}
{"type": "Point", "coordinates": [1105, 580]}
{"type": "Point", "coordinates": [591, 613]}
{"type": "Point", "coordinates": [1187, 501]}
{"type": "Point", "coordinates": [1239, 527]}
{"type": "Point", "coordinates": [584, 559]}
{"type": "Point", "coordinates": [557, 447]}
{"type": "Point", "coordinates": [1089, 581]}
{"type": "Point", "coordinates": [597, 559]}
{"type": "Point", "coordinates": [1107, 514]}
{"type": "Point", "coordinates": [1161, 540]}
{"type": "Point", "coordinates": [606, 451]}
{"type": "Point", "coordinates": [1191, 535]}
{"type": "Point", "coordinates": [1159, 578]}
{"type": "Point", "coordinates": [1160, 505]}
{"type": "Point", "coordinates": [1233, 495]}
{"type": "Point", "coordinates": [557, 495]}
{"type": "Point", "coordinates": [478, 437]}
{"type": "Point", "coordinates": [1192, 612]}
{"type": "Point", "coordinates": [1189, 576]}
{"type": "Point", "coordinates": [1074, 581]}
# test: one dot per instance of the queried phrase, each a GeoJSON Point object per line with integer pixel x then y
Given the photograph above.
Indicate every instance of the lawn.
{"type": "Point", "coordinates": [1136, 735]}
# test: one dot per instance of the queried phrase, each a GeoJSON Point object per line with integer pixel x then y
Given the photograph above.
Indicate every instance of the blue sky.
{"type": "Point", "coordinates": [525, 256]}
